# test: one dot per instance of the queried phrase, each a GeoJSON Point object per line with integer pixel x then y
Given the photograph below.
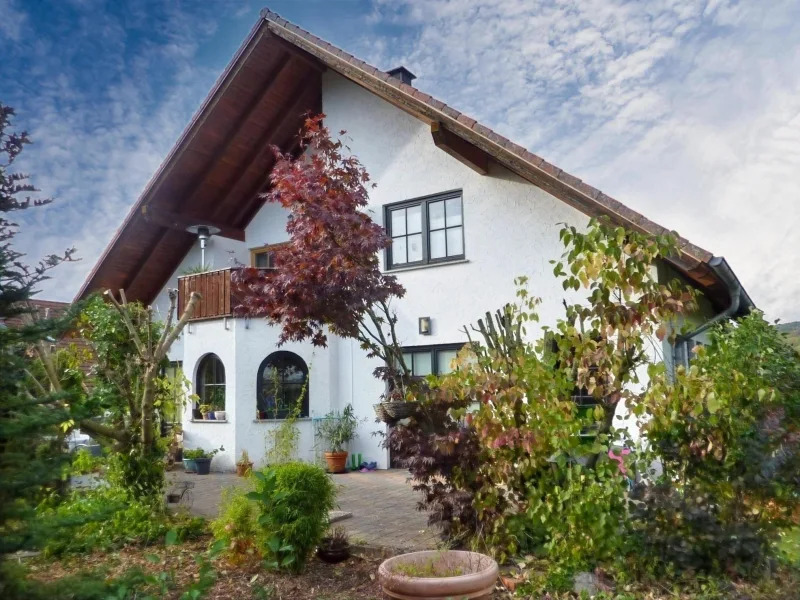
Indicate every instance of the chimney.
{"type": "Point", "coordinates": [402, 74]}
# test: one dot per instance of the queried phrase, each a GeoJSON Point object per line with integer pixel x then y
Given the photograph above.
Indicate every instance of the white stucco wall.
{"type": "Point", "coordinates": [510, 229]}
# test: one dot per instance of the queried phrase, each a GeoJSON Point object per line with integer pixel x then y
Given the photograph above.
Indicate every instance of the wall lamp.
{"type": "Point", "coordinates": [424, 325]}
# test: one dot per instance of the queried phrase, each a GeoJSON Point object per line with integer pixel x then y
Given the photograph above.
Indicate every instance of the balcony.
{"type": "Point", "coordinates": [218, 296]}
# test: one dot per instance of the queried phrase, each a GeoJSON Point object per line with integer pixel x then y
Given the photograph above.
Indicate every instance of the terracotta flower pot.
{"type": "Point", "coordinates": [337, 461]}
{"type": "Point", "coordinates": [243, 469]}
{"type": "Point", "coordinates": [464, 575]}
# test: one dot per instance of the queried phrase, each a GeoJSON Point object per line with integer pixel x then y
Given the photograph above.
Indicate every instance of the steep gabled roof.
{"type": "Point", "coordinates": [454, 132]}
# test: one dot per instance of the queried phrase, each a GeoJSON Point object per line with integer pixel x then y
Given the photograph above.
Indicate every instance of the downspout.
{"type": "Point", "coordinates": [721, 268]}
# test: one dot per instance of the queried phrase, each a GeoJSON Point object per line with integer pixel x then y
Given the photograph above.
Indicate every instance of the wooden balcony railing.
{"type": "Point", "coordinates": [218, 297]}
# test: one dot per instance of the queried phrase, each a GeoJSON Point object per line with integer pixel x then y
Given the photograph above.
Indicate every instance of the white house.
{"type": "Point", "coordinates": [467, 209]}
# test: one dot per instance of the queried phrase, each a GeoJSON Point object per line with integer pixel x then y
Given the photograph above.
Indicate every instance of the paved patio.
{"type": "Point", "coordinates": [383, 506]}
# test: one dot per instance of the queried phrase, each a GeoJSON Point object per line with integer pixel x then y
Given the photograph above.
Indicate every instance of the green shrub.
{"type": "Point", "coordinates": [726, 432]}
{"type": "Point", "coordinates": [83, 462]}
{"type": "Point", "coordinates": [196, 453]}
{"type": "Point", "coordinates": [294, 500]}
{"type": "Point", "coordinates": [106, 518]}
{"type": "Point", "coordinates": [237, 524]}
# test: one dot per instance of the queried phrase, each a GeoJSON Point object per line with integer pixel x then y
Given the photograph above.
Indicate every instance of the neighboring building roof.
{"type": "Point", "coordinates": [50, 309]}
{"type": "Point", "coordinates": [43, 309]}
{"type": "Point", "coordinates": [275, 77]}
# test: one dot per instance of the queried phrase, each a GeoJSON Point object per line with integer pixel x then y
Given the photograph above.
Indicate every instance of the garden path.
{"type": "Point", "coordinates": [382, 503]}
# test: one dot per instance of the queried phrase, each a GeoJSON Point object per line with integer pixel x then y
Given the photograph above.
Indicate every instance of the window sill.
{"type": "Point", "coordinates": [209, 420]}
{"type": "Point", "coordinates": [443, 263]}
{"type": "Point", "coordinates": [280, 420]}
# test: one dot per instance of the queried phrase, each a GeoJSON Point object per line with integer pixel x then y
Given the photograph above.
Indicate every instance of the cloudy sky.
{"type": "Point", "coordinates": [686, 110]}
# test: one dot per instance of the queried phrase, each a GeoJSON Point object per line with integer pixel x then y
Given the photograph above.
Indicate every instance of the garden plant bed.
{"type": "Point", "coordinates": [354, 579]}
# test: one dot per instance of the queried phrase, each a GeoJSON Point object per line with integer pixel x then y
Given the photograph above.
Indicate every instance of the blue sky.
{"type": "Point", "coordinates": [686, 110]}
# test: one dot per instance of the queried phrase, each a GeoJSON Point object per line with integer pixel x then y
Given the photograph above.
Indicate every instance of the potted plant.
{"type": "Point", "coordinates": [244, 465]}
{"type": "Point", "coordinates": [337, 430]}
{"type": "Point", "coordinates": [262, 415]}
{"type": "Point", "coordinates": [205, 410]}
{"type": "Point", "coordinates": [334, 547]}
{"type": "Point", "coordinates": [189, 465]}
{"type": "Point", "coordinates": [201, 458]}
{"type": "Point", "coordinates": [218, 404]}
{"type": "Point", "coordinates": [435, 574]}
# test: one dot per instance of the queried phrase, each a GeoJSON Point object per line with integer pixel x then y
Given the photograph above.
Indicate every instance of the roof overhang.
{"type": "Point", "coordinates": [220, 165]}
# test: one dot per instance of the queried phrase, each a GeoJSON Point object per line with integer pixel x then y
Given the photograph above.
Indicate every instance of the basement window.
{"type": "Point", "coordinates": [431, 360]}
{"type": "Point", "coordinates": [425, 230]}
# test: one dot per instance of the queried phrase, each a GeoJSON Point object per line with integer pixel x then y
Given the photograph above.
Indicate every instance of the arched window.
{"type": "Point", "coordinates": [282, 385]}
{"type": "Point", "coordinates": [211, 382]}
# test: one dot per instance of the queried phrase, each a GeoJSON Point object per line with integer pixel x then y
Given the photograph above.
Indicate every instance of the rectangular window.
{"type": "Point", "coordinates": [426, 230]}
{"type": "Point", "coordinates": [431, 360]}
{"type": "Point", "coordinates": [264, 257]}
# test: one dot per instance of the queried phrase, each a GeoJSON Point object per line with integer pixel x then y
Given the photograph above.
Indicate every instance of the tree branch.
{"type": "Point", "coordinates": [122, 309]}
{"type": "Point", "coordinates": [162, 350]}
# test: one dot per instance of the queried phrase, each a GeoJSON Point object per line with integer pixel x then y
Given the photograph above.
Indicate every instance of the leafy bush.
{"type": "Point", "coordinates": [684, 532]}
{"type": "Point", "coordinates": [237, 524]}
{"type": "Point", "coordinates": [106, 518]}
{"type": "Point", "coordinates": [196, 453]}
{"type": "Point", "coordinates": [727, 432]}
{"type": "Point", "coordinates": [510, 450]}
{"type": "Point", "coordinates": [83, 462]}
{"type": "Point", "coordinates": [294, 500]}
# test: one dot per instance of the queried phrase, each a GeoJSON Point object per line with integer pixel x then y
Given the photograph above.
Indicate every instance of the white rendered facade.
{"type": "Point", "coordinates": [510, 228]}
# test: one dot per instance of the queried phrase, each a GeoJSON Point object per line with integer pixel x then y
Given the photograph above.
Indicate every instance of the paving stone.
{"type": "Point", "coordinates": [381, 506]}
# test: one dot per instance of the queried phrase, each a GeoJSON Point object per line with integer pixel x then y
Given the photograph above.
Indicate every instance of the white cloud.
{"type": "Point", "coordinates": [686, 110]}
{"type": "Point", "coordinates": [12, 21]}
{"type": "Point", "coordinates": [100, 130]}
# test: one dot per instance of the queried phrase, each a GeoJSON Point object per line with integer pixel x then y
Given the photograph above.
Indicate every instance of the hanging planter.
{"type": "Point", "coordinates": [383, 415]}
{"type": "Point", "coordinates": [400, 409]}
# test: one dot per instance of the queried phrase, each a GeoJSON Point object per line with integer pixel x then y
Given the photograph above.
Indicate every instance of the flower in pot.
{"type": "Point", "coordinates": [244, 465]}
{"type": "Point", "coordinates": [439, 574]}
{"type": "Point", "coordinates": [201, 459]}
{"type": "Point", "coordinates": [335, 546]}
{"type": "Point", "coordinates": [337, 430]}
{"type": "Point", "coordinates": [206, 411]}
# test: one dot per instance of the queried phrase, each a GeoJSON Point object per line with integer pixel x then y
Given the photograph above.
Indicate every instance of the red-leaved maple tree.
{"type": "Point", "coordinates": [328, 277]}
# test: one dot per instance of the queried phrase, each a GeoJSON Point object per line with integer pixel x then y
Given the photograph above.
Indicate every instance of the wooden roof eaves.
{"type": "Point", "coordinates": [191, 130]}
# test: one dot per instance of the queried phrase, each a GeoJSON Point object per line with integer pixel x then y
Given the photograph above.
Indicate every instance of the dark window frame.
{"type": "Point", "coordinates": [201, 385]}
{"type": "Point", "coordinates": [281, 413]}
{"type": "Point", "coordinates": [434, 349]}
{"type": "Point", "coordinates": [423, 202]}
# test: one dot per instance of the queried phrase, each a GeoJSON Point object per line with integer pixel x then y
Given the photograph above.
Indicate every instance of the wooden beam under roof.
{"type": "Point", "coordinates": [237, 129]}
{"type": "Point", "coordinates": [246, 211]}
{"type": "Point", "coordinates": [180, 221]}
{"type": "Point", "coordinates": [295, 99]}
{"type": "Point", "coordinates": [233, 133]}
{"type": "Point", "coordinates": [460, 149]}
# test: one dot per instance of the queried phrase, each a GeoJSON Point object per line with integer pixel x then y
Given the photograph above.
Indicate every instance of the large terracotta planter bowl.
{"type": "Point", "coordinates": [477, 574]}
{"type": "Point", "coordinates": [337, 461]}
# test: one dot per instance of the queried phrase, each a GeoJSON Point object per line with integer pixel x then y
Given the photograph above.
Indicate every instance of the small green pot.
{"type": "Point", "coordinates": [189, 465]}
